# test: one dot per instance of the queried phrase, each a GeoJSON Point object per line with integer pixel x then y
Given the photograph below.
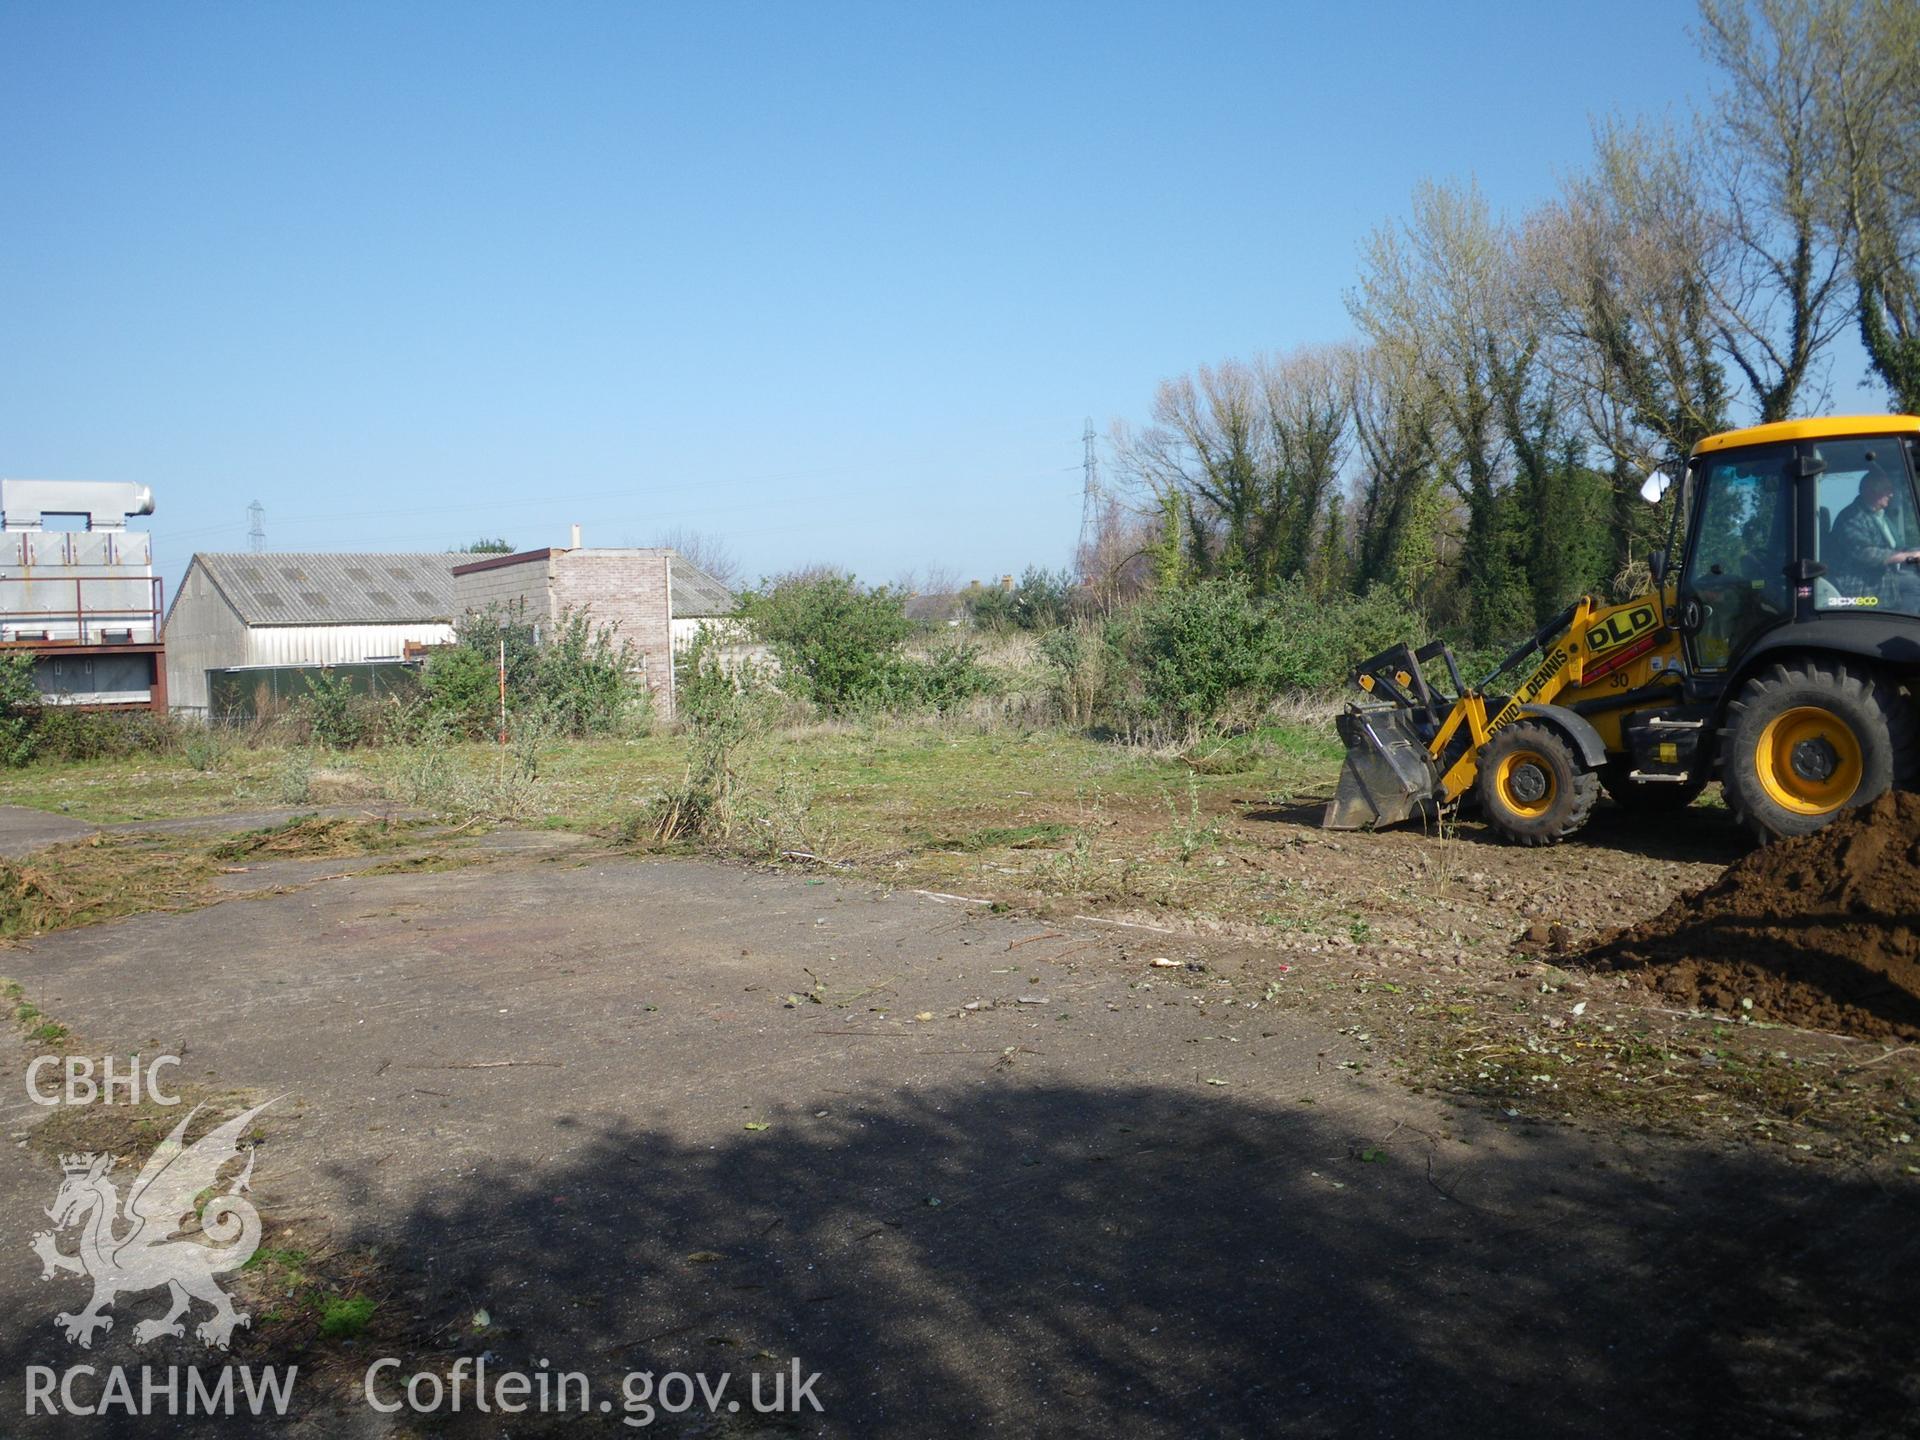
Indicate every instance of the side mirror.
{"type": "Point", "coordinates": [1657, 563]}
{"type": "Point", "coordinates": [1654, 488]}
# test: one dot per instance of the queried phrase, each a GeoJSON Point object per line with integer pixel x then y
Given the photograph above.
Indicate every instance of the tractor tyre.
{"type": "Point", "coordinates": [1804, 741]}
{"type": "Point", "coordinates": [1642, 797]}
{"type": "Point", "coordinates": [1533, 788]}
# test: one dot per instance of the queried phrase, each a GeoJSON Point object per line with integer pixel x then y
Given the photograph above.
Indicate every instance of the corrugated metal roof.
{"type": "Point", "coordinates": [696, 594]}
{"type": "Point", "coordinates": [287, 588]}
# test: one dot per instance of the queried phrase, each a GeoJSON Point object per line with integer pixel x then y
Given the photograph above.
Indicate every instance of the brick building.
{"type": "Point", "coordinates": [655, 598]}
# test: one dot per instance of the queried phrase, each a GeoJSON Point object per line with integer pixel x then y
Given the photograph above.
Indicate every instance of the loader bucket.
{"type": "Point", "coordinates": [1388, 777]}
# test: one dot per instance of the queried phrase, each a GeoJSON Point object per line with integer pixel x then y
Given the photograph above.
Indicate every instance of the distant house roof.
{"type": "Point", "coordinates": [286, 588]}
{"type": "Point", "coordinates": [696, 594]}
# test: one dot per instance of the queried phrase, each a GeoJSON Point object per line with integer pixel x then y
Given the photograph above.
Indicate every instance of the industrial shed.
{"type": "Point", "coordinates": [277, 610]}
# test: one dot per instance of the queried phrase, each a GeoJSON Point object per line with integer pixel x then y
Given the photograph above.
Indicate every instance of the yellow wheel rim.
{"type": "Point", "coordinates": [1524, 781]}
{"type": "Point", "coordinates": [1809, 761]}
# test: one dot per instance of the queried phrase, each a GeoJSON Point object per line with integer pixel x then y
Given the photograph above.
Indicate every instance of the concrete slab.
{"type": "Point", "coordinates": [24, 830]}
{"type": "Point", "coordinates": [986, 1177]}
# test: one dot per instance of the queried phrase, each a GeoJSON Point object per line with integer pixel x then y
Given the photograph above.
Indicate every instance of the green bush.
{"type": "Point", "coordinates": [1043, 600]}
{"type": "Point", "coordinates": [1200, 646]}
{"type": "Point", "coordinates": [19, 710]}
{"type": "Point", "coordinates": [578, 678]}
{"type": "Point", "coordinates": [1194, 655]}
{"type": "Point", "coordinates": [951, 675]}
{"type": "Point", "coordinates": [338, 721]}
{"type": "Point", "coordinates": [582, 678]}
{"type": "Point", "coordinates": [65, 732]}
{"type": "Point", "coordinates": [839, 644]}
{"type": "Point", "coordinates": [461, 687]}
{"type": "Point", "coordinates": [1317, 640]}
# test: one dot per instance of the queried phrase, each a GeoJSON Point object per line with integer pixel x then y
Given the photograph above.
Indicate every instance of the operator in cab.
{"type": "Point", "coordinates": [1867, 553]}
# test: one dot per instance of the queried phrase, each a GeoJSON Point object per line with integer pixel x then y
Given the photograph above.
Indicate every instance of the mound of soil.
{"type": "Point", "coordinates": [1821, 932]}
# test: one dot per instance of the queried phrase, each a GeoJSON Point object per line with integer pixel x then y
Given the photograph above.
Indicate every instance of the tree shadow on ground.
{"type": "Point", "coordinates": [1050, 1260]}
{"type": "Point", "coordinates": [1037, 1259]}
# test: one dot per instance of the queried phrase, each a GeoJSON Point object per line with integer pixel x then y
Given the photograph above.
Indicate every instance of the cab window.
{"type": "Point", "coordinates": [1867, 526]}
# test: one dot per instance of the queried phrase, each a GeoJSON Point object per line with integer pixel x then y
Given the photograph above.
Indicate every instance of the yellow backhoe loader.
{"type": "Point", "coordinates": [1778, 652]}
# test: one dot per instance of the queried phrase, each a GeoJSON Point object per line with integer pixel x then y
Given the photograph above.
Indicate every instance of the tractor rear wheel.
{"type": "Point", "coordinates": [1804, 741]}
{"type": "Point", "coordinates": [1532, 787]}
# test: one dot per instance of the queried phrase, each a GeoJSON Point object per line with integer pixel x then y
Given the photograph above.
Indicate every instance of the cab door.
{"type": "Point", "coordinates": [1734, 583]}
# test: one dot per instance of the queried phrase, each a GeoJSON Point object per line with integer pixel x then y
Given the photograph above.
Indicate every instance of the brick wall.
{"type": "Point", "coordinates": [503, 587]}
{"type": "Point", "coordinates": [627, 589]}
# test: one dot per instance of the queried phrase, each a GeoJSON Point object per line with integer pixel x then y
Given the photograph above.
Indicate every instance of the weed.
{"type": "Point", "coordinates": [727, 712]}
{"type": "Point", "coordinates": [1189, 834]}
{"type": "Point", "coordinates": [203, 749]}
{"type": "Point", "coordinates": [1069, 867]}
{"type": "Point", "coordinates": [294, 779]}
{"type": "Point", "coordinates": [344, 1317]}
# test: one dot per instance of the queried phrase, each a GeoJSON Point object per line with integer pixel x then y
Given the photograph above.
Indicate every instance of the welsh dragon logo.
{"type": "Point", "coordinates": [125, 1251]}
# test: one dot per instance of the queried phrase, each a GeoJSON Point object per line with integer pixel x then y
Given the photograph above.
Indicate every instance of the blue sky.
{"type": "Point", "coordinates": [830, 282]}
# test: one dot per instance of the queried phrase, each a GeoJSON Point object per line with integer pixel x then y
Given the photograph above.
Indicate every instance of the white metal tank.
{"type": "Point", "coordinates": [90, 583]}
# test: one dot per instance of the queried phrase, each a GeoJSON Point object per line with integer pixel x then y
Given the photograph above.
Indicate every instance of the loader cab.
{"type": "Point", "coordinates": [1798, 522]}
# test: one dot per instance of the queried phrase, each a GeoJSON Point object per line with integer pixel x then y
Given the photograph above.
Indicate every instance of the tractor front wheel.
{"type": "Point", "coordinates": [1803, 742]}
{"type": "Point", "coordinates": [1533, 788]}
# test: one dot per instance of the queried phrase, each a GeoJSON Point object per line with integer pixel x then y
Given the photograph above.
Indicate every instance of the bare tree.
{"type": "Point", "coordinates": [1435, 297]}
{"type": "Point", "coordinates": [1112, 564]}
{"type": "Point", "coordinates": [1628, 265]}
{"type": "Point", "coordinates": [1307, 410]}
{"type": "Point", "coordinates": [705, 552]}
{"type": "Point", "coordinates": [1396, 502]}
{"type": "Point", "coordinates": [1870, 114]}
{"type": "Point", "coordinates": [1781, 299]}
{"type": "Point", "coordinates": [1245, 457]}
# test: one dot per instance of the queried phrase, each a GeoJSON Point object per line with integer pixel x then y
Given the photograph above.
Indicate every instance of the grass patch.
{"type": "Point", "coordinates": [312, 838]}
{"type": "Point", "coordinates": [941, 805]}
{"type": "Point", "coordinates": [345, 1317]}
{"type": "Point", "coordinates": [129, 1131]}
{"type": "Point", "coordinates": [85, 881]}
{"type": "Point", "coordinates": [106, 876]}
